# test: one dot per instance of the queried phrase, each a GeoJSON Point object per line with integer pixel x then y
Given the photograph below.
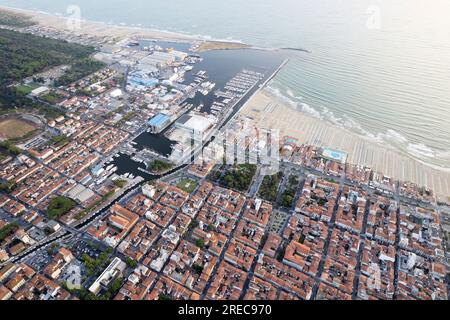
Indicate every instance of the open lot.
{"type": "Point", "coordinates": [218, 45]}
{"type": "Point", "coordinates": [26, 88]}
{"type": "Point", "coordinates": [15, 127]}
{"type": "Point", "coordinates": [187, 185]}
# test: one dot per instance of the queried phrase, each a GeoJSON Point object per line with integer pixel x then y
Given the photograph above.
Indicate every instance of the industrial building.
{"type": "Point", "coordinates": [80, 193]}
{"type": "Point", "coordinates": [141, 80]}
{"type": "Point", "coordinates": [159, 122]}
{"type": "Point", "coordinates": [38, 91]}
{"type": "Point", "coordinates": [196, 125]}
{"type": "Point", "coordinates": [163, 59]}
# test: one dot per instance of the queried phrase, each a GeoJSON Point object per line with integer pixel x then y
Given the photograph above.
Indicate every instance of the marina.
{"type": "Point", "coordinates": [221, 82]}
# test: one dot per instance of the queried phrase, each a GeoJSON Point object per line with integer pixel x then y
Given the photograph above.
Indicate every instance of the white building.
{"type": "Point", "coordinates": [39, 91]}
{"type": "Point", "coordinates": [113, 271]}
{"type": "Point", "coordinates": [195, 124]}
{"type": "Point", "coordinates": [149, 190]}
{"type": "Point", "coordinates": [116, 93]}
{"type": "Point", "coordinates": [180, 152]}
{"type": "Point", "coordinates": [163, 58]}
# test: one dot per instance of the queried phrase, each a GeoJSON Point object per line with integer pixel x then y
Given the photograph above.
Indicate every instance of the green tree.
{"type": "Point", "coordinates": [200, 243]}
{"type": "Point", "coordinates": [131, 263]}
{"type": "Point", "coordinates": [8, 230]}
{"type": "Point", "coordinates": [59, 206]}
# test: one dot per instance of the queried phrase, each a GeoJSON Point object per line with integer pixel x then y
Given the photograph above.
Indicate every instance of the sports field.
{"type": "Point", "coordinates": [14, 128]}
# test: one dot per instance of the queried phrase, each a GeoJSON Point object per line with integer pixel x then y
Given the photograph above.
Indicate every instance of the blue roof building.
{"type": "Point", "coordinates": [159, 122]}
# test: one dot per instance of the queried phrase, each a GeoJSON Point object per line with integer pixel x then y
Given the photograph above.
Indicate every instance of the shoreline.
{"type": "Point", "coordinates": [383, 158]}
{"type": "Point", "coordinates": [122, 32]}
{"type": "Point", "coordinates": [286, 101]}
{"type": "Point", "coordinates": [268, 111]}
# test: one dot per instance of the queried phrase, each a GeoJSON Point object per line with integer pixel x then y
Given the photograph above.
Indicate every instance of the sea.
{"type": "Point", "coordinates": [380, 68]}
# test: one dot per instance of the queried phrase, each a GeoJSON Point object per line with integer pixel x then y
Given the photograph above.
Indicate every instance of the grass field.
{"type": "Point", "coordinates": [26, 89]}
{"type": "Point", "coordinates": [14, 128]}
{"type": "Point", "coordinates": [187, 185]}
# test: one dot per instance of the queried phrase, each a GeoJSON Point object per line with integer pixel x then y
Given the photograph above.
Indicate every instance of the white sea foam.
{"type": "Point", "coordinates": [392, 136]}
{"type": "Point", "coordinates": [351, 124]}
{"type": "Point", "coordinates": [329, 115]}
{"type": "Point", "coordinates": [420, 150]}
{"type": "Point", "coordinates": [306, 108]}
{"type": "Point", "coordinates": [302, 106]}
{"type": "Point", "coordinates": [290, 93]}
{"type": "Point", "coordinates": [443, 155]}
{"type": "Point", "coordinates": [201, 36]}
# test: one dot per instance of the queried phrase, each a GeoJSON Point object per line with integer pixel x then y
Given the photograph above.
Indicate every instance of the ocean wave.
{"type": "Point", "coordinates": [393, 136]}
{"type": "Point", "coordinates": [205, 37]}
{"type": "Point", "coordinates": [390, 137]}
{"type": "Point", "coordinates": [443, 155]}
{"type": "Point", "coordinates": [329, 115]}
{"type": "Point", "coordinates": [302, 106]}
{"type": "Point", "coordinates": [420, 150]}
{"type": "Point", "coordinates": [292, 95]}
{"type": "Point", "coordinates": [350, 124]}
{"type": "Point", "coordinates": [306, 108]}
{"type": "Point", "coordinates": [278, 94]}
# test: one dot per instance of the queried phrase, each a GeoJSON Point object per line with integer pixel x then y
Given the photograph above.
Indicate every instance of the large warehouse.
{"type": "Point", "coordinates": [159, 122]}
{"type": "Point", "coordinates": [162, 59]}
{"type": "Point", "coordinates": [196, 124]}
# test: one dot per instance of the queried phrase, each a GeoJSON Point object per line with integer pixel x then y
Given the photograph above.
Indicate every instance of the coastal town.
{"type": "Point", "coordinates": [101, 199]}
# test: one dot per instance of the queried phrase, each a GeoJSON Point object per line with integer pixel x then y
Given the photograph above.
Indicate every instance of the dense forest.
{"type": "Point", "coordinates": [24, 55]}
{"type": "Point", "coordinates": [12, 19]}
{"type": "Point", "coordinates": [80, 69]}
{"type": "Point", "coordinates": [270, 186]}
{"type": "Point", "coordinates": [238, 177]}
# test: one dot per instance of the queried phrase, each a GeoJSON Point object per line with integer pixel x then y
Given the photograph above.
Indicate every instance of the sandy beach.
{"type": "Point", "coordinates": [116, 33]}
{"type": "Point", "coordinates": [266, 111]}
